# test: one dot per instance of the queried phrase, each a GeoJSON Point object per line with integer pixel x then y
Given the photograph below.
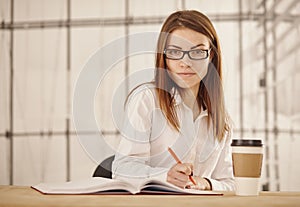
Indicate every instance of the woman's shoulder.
{"type": "Point", "coordinates": [142, 94]}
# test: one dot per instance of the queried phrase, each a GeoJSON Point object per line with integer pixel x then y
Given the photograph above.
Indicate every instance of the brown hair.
{"type": "Point", "coordinates": [210, 94]}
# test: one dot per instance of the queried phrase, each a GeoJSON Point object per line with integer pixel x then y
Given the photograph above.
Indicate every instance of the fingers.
{"type": "Point", "coordinates": [177, 182]}
{"type": "Point", "coordinates": [179, 174]}
{"type": "Point", "coordinates": [202, 184]}
{"type": "Point", "coordinates": [185, 168]}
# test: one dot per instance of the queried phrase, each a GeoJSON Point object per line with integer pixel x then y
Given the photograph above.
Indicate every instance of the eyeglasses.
{"type": "Point", "coordinates": [197, 54]}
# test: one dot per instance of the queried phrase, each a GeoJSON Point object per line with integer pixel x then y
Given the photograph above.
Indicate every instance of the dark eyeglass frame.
{"type": "Point", "coordinates": [188, 53]}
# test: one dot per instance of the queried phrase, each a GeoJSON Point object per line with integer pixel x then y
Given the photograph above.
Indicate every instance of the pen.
{"type": "Point", "coordinates": [179, 162]}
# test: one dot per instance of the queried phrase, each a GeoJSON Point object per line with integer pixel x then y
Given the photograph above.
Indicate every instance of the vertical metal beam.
{"type": "Point", "coordinates": [11, 99]}
{"type": "Point", "coordinates": [275, 125]}
{"type": "Point", "coordinates": [240, 27]}
{"type": "Point", "coordinates": [183, 7]}
{"type": "Point", "coordinates": [68, 92]}
{"type": "Point", "coordinates": [265, 60]}
{"type": "Point", "coordinates": [278, 19]}
{"type": "Point", "coordinates": [271, 10]}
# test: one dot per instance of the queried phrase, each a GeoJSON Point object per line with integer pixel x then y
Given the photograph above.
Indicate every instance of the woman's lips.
{"type": "Point", "coordinates": [186, 74]}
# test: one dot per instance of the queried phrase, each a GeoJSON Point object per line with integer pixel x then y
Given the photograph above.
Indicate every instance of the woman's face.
{"type": "Point", "coordinates": [187, 72]}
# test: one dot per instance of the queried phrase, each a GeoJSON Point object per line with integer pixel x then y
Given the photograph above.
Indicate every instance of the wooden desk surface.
{"type": "Point", "coordinates": [25, 196]}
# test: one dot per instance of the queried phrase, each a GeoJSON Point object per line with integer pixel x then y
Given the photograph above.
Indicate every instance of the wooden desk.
{"type": "Point", "coordinates": [25, 196]}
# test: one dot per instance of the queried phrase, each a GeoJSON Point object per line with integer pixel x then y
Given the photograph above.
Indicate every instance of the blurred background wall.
{"type": "Point", "coordinates": [44, 45]}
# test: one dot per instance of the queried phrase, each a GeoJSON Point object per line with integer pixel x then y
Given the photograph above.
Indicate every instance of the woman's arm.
{"type": "Point", "coordinates": [132, 159]}
{"type": "Point", "coordinates": [222, 177]}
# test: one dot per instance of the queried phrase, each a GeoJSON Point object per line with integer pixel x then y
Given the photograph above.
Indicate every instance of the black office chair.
{"type": "Point", "coordinates": [104, 168]}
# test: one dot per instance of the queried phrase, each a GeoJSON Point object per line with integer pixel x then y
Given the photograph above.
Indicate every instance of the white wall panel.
{"type": "Point", "coordinates": [82, 166]}
{"type": "Point", "coordinates": [85, 43]}
{"type": "Point", "coordinates": [212, 6]}
{"type": "Point", "coordinates": [152, 7]}
{"type": "Point", "coordinates": [38, 159]}
{"type": "Point", "coordinates": [5, 10]}
{"type": "Point", "coordinates": [40, 80]}
{"type": "Point", "coordinates": [4, 80]}
{"type": "Point", "coordinates": [105, 95]}
{"type": "Point", "coordinates": [289, 160]}
{"type": "Point", "coordinates": [97, 8]}
{"type": "Point", "coordinates": [230, 55]}
{"type": "Point", "coordinates": [4, 161]}
{"type": "Point", "coordinates": [39, 10]}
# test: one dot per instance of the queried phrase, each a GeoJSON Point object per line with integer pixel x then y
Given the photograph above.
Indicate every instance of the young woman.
{"type": "Point", "coordinates": [183, 108]}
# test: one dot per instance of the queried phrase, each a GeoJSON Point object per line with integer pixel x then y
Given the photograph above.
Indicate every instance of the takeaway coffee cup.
{"type": "Point", "coordinates": [247, 156]}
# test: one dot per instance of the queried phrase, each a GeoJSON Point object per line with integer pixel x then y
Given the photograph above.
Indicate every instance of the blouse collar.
{"type": "Point", "coordinates": [178, 101]}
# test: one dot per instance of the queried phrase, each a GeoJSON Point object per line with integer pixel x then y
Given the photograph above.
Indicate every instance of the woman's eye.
{"type": "Point", "coordinates": [198, 52]}
{"type": "Point", "coordinates": [174, 52]}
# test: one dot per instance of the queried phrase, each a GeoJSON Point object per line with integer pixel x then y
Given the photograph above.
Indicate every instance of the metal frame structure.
{"type": "Point", "coordinates": [268, 15]}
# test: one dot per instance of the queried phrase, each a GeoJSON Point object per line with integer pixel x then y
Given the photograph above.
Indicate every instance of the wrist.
{"type": "Point", "coordinates": [208, 184]}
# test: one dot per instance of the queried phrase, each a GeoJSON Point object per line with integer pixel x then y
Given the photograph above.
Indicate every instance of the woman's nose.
{"type": "Point", "coordinates": [186, 61]}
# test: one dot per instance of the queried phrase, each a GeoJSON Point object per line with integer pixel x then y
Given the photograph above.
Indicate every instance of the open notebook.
{"type": "Point", "coordinates": [99, 185]}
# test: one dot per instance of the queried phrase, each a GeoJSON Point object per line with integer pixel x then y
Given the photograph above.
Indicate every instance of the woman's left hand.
{"type": "Point", "coordinates": [201, 184]}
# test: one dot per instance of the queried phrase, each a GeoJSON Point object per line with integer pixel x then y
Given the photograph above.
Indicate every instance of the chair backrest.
{"type": "Point", "coordinates": [104, 168]}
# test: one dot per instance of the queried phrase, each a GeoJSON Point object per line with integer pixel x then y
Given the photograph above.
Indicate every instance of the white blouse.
{"type": "Point", "coordinates": [146, 136]}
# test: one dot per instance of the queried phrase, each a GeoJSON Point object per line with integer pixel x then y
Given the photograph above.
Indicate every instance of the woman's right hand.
{"type": "Point", "coordinates": [179, 174]}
